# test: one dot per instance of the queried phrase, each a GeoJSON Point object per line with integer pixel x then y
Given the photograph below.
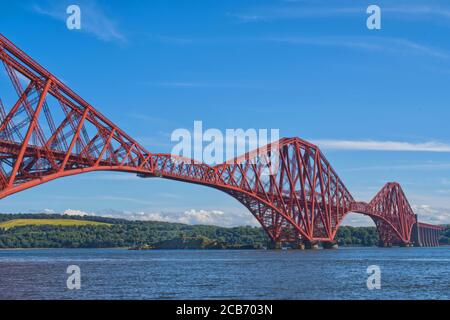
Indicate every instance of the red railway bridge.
{"type": "Point", "coordinates": [48, 132]}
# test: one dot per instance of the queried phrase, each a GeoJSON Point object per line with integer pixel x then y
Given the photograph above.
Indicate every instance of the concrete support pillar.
{"type": "Point", "coordinates": [383, 244]}
{"type": "Point", "coordinates": [313, 245]}
{"type": "Point", "coordinates": [274, 245]}
{"type": "Point", "coordinates": [405, 245]}
{"type": "Point", "coordinates": [418, 242]}
{"type": "Point", "coordinates": [300, 245]}
{"type": "Point", "coordinates": [436, 234]}
{"type": "Point", "coordinates": [330, 245]}
{"type": "Point", "coordinates": [423, 237]}
{"type": "Point", "coordinates": [419, 239]}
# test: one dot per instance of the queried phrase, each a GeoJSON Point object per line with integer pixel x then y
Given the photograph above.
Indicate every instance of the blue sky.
{"type": "Point", "coordinates": [310, 68]}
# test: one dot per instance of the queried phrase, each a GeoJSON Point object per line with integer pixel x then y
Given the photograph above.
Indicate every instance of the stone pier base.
{"type": "Point", "coordinates": [311, 245]}
{"type": "Point", "coordinates": [274, 245]}
{"type": "Point", "coordinates": [330, 245]}
{"type": "Point", "coordinates": [383, 244]}
{"type": "Point", "coordinates": [406, 245]}
{"type": "Point", "coordinates": [300, 245]}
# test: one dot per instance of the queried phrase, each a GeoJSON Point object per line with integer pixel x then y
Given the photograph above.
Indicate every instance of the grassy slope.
{"type": "Point", "coordinates": [60, 222]}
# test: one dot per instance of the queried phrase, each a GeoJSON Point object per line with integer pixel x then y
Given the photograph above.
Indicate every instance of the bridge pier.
{"type": "Point", "coordinates": [330, 245]}
{"type": "Point", "coordinates": [426, 235]}
{"type": "Point", "coordinates": [383, 244]}
{"type": "Point", "coordinates": [300, 245]}
{"type": "Point", "coordinates": [435, 236]}
{"type": "Point", "coordinates": [416, 237]}
{"type": "Point", "coordinates": [311, 245]}
{"type": "Point", "coordinates": [274, 245]}
{"type": "Point", "coordinates": [406, 245]}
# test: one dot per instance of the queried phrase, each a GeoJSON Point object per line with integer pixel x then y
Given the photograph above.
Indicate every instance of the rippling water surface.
{"type": "Point", "coordinates": [406, 273]}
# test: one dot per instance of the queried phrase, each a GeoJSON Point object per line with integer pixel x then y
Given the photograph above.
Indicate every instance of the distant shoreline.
{"type": "Point", "coordinates": [55, 231]}
{"type": "Point", "coordinates": [178, 249]}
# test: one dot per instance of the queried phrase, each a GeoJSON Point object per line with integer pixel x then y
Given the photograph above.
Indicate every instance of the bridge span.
{"type": "Point", "coordinates": [47, 131]}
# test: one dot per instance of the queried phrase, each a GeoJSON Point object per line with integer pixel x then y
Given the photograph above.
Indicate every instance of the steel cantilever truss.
{"type": "Point", "coordinates": [47, 131]}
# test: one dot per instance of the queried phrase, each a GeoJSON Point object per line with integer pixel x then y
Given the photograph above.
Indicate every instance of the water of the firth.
{"type": "Point", "coordinates": [406, 273]}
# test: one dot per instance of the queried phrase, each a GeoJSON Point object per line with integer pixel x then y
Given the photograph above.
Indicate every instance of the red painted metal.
{"type": "Point", "coordinates": [50, 132]}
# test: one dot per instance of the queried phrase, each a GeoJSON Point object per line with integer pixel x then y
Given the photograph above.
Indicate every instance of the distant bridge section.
{"type": "Point", "coordinates": [426, 235]}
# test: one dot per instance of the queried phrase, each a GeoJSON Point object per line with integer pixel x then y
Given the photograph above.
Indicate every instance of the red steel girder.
{"type": "Point", "coordinates": [288, 185]}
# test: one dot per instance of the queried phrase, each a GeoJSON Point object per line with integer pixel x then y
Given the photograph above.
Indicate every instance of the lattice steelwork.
{"type": "Point", "coordinates": [47, 131]}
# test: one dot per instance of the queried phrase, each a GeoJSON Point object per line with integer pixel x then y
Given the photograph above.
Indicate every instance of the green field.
{"type": "Point", "coordinates": [54, 222]}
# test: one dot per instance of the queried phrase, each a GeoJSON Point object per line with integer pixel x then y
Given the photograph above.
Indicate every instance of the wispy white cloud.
{"type": "Point", "coordinates": [431, 214]}
{"type": "Point", "coordinates": [424, 10]}
{"type": "Point", "coordinates": [372, 145]}
{"type": "Point", "coordinates": [394, 45]}
{"type": "Point", "coordinates": [299, 9]}
{"type": "Point", "coordinates": [430, 198]}
{"type": "Point", "coordinates": [72, 212]}
{"type": "Point", "coordinates": [426, 213]}
{"type": "Point", "coordinates": [283, 12]}
{"type": "Point", "coordinates": [430, 166]}
{"type": "Point", "coordinates": [358, 220]}
{"type": "Point", "coordinates": [368, 43]}
{"type": "Point", "coordinates": [94, 20]}
{"type": "Point", "coordinates": [443, 191]}
{"type": "Point", "coordinates": [208, 217]}
{"type": "Point", "coordinates": [192, 216]}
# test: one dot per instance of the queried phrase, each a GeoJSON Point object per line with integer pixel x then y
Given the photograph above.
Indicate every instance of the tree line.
{"type": "Point", "coordinates": [155, 234]}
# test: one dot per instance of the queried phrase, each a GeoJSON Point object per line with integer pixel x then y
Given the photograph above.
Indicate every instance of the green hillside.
{"type": "Point", "coordinates": [56, 222]}
{"type": "Point", "coordinates": [64, 231]}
